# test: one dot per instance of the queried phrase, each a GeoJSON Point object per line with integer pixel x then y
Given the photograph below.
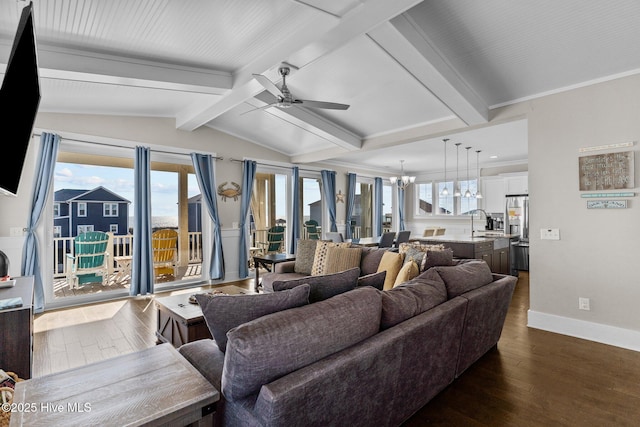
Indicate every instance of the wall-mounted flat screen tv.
{"type": "Point", "coordinates": [19, 101]}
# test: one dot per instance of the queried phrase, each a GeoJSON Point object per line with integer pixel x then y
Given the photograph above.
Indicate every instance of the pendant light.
{"type": "Point", "coordinates": [478, 193]}
{"type": "Point", "coordinates": [467, 193]}
{"type": "Point", "coordinates": [445, 190]}
{"type": "Point", "coordinates": [457, 192]}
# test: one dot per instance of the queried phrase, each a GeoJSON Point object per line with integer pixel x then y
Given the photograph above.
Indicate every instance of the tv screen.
{"type": "Point", "coordinates": [19, 101]}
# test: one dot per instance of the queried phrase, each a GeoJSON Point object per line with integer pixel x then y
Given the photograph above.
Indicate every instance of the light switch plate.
{"type": "Point", "coordinates": [550, 233]}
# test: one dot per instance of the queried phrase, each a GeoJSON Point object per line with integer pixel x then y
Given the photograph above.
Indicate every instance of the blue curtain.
{"type": "Point", "coordinates": [329, 192]}
{"type": "Point", "coordinates": [377, 207]}
{"type": "Point", "coordinates": [49, 144]}
{"type": "Point", "coordinates": [351, 201]}
{"type": "Point", "coordinates": [205, 173]}
{"type": "Point", "coordinates": [295, 215]}
{"type": "Point", "coordinates": [401, 209]}
{"type": "Point", "coordinates": [248, 175]}
{"type": "Point", "coordinates": [142, 264]}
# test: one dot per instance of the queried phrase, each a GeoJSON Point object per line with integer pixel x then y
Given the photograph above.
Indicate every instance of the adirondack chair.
{"type": "Point", "coordinates": [165, 251]}
{"type": "Point", "coordinates": [275, 240]}
{"type": "Point", "coordinates": [312, 229]}
{"type": "Point", "coordinates": [89, 259]}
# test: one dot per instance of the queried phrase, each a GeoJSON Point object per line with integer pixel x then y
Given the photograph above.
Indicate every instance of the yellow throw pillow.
{"type": "Point", "coordinates": [320, 257]}
{"type": "Point", "coordinates": [408, 271]}
{"type": "Point", "coordinates": [391, 262]}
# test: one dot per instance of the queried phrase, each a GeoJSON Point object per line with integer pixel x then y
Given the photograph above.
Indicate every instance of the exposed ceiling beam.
{"type": "Point", "coordinates": [314, 123]}
{"type": "Point", "coordinates": [403, 40]}
{"type": "Point", "coordinates": [67, 64]}
{"type": "Point", "coordinates": [323, 36]}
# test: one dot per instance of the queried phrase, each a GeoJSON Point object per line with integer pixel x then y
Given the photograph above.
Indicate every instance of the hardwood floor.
{"type": "Point", "coordinates": [533, 378]}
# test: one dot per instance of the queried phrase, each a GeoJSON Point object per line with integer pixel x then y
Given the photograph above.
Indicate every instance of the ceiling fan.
{"type": "Point", "coordinates": [284, 98]}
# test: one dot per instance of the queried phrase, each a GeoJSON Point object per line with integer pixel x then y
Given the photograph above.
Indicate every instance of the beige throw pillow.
{"type": "Point", "coordinates": [320, 257]}
{"type": "Point", "coordinates": [408, 271]}
{"type": "Point", "coordinates": [341, 259]}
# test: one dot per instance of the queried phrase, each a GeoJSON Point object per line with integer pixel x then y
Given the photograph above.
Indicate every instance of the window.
{"type": "Point", "coordinates": [387, 207]}
{"type": "Point", "coordinates": [113, 228]}
{"type": "Point", "coordinates": [82, 209]}
{"type": "Point", "coordinates": [424, 202]}
{"type": "Point", "coordinates": [311, 204]}
{"type": "Point", "coordinates": [56, 210]}
{"type": "Point", "coordinates": [57, 231]}
{"type": "Point", "coordinates": [361, 221]}
{"type": "Point", "coordinates": [468, 204]}
{"type": "Point", "coordinates": [445, 203]}
{"type": "Point", "coordinates": [268, 204]}
{"type": "Point", "coordinates": [85, 228]}
{"type": "Point", "coordinates": [110, 209]}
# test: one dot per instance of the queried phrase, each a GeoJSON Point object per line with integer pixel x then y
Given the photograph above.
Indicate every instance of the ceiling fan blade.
{"type": "Point", "coordinates": [321, 104]}
{"type": "Point", "coordinates": [268, 85]}
{"type": "Point", "coordinates": [264, 107]}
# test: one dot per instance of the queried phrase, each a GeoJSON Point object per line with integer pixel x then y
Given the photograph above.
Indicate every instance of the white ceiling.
{"type": "Point", "coordinates": [400, 65]}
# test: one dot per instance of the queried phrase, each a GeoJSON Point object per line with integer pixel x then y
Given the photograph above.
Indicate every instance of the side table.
{"type": "Point", "coordinates": [267, 262]}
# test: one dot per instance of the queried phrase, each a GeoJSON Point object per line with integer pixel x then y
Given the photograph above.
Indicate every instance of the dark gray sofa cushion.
{"type": "Point", "coordinates": [438, 258]}
{"type": "Point", "coordinates": [267, 348]}
{"type": "Point", "coordinates": [374, 279]}
{"type": "Point", "coordinates": [370, 259]}
{"type": "Point", "coordinates": [323, 286]}
{"type": "Point", "coordinates": [206, 357]}
{"type": "Point", "coordinates": [412, 298]}
{"type": "Point", "coordinates": [224, 312]}
{"type": "Point", "coordinates": [465, 277]}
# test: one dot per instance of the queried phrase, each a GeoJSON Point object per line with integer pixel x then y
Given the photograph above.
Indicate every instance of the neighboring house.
{"type": "Point", "coordinates": [77, 211]}
{"type": "Point", "coordinates": [195, 213]}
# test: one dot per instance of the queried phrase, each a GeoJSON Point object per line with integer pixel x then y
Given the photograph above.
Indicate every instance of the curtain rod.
{"type": "Point", "coordinates": [275, 166]}
{"type": "Point", "coordinates": [120, 146]}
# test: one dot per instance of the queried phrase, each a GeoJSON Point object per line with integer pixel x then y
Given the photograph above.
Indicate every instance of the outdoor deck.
{"type": "Point", "coordinates": [61, 288]}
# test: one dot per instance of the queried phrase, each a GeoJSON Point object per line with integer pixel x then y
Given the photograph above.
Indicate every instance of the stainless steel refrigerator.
{"type": "Point", "coordinates": [516, 223]}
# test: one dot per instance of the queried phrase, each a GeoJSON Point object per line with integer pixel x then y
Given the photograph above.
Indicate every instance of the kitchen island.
{"type": "Point", "coordinates": [494, 248]}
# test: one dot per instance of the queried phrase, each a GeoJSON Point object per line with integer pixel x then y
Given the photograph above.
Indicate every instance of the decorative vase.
{"type": "Point", "coordinates": [4, 265]}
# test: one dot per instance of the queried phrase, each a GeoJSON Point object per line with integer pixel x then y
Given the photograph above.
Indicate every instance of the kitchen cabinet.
{"type": "Point", "coordinates": [493, 193]}
{"type": "Point", "coordinates": [516, 184]}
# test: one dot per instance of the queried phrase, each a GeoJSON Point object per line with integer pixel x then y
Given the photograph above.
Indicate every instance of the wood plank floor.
{"type": "Point", "coordinates": [533, 378]}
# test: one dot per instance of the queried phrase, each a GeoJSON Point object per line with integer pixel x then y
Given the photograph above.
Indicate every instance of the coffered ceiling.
{"type": "Point", "coordinates": [401, 65]}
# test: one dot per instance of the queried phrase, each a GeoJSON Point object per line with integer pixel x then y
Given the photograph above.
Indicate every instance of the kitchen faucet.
{"type": "Point", "coordinates": [486, 216]}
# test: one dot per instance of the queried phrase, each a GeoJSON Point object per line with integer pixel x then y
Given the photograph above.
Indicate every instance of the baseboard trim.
{"type": "Point", "coordinates": [605, 334]}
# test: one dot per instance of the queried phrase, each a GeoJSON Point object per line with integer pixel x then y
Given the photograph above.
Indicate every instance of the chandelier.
{"type": "Point", "coordinates": [404, 180]}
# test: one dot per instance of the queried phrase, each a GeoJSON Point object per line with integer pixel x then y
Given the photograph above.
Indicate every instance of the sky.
{"type": "Point", "coordinates": [164, 185]}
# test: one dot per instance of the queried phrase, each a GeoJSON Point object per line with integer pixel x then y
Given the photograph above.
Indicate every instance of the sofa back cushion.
{"type": "Point", "coordinates": [465, 277]}
{"type": "Point", "coordinates": [412, 298]}
{"type": "Point", "coordinates": [270, 347]}
{"type": "Point", "coordinates": [370, 259]}
{"type": "Point", "coordinates": [341, 259]}
{"type": "Point", "coordinates": [305, 252]}
{"type": "Point", "coordinates": [374, 279]}
{"type": "Point", "coordinates": [323, 287]}
{"type": "Point", "coordinates": [224, 312]}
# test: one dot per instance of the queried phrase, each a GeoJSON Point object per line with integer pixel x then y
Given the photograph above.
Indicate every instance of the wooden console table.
{"type": "Point", "coordinates": [267, 262]}
{"type": "Point", "coordinates": [16, 329]}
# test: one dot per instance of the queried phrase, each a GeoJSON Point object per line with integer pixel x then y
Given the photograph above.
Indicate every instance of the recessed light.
{"type": "Point", "coordinates": [493, 157]}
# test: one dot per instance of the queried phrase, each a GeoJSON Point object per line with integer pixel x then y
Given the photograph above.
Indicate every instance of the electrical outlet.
{"type": "Point", "coordinates": [16, 231]}
{"type": "Point", "coordinates": [584, 304]}
{"type": "Point", "coordinates": [550, 233]}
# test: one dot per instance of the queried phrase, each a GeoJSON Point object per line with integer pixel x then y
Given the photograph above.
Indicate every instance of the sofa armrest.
{"type": "Point", "coordinates": [284, 267]}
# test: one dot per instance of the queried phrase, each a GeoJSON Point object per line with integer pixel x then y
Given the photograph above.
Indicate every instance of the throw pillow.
{"type": "Point", "coordinates": [341, 259]}
{"type": "Point", "coordinates": [374, 279]}
{"type": "Point", "coordinates": [224, 312]}
{"type": "Point", "coordinates": [408, 271]}
{"type": "Point", "coordinates": [305, 253]}
{"type": "Point", "coordinates": [370, 260]}
{"type": "Point", "coordinates": [391, 262]}
{"type": "Point", "coordinates": [320, 255]}
{"type": "Point", "coordinates": [413, 254]}
{"type": "Point", "coordinates": [437, 258]}
{"type": "Point", "coordinates": [423, 247]}
{"type": "Point", "coordinates": [465, 277]}
{"type": "Point", "coordinates": [324, 286]}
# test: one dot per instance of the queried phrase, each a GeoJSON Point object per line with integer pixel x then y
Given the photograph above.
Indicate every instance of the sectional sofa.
{"type": "Point", "coordinates": [360, 358]}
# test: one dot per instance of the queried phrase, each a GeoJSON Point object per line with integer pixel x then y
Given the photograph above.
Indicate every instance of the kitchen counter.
{"type": "Point", "coordinates": [494, 248]}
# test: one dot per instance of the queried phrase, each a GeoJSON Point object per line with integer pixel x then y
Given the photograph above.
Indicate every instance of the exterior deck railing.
{"type": "Point", "coordinates": [122, 246]}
